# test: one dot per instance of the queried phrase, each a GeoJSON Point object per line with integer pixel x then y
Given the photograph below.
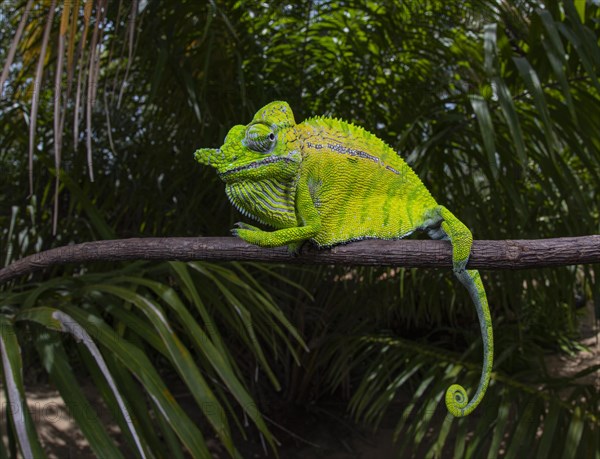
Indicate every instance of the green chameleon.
{"type": "Point", "coordinates": [331, 182]}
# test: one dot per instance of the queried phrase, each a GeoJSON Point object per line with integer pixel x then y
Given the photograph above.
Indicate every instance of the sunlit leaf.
{"type": "Point", "coordinates": [59, 321]}
{"type": "Point", "coordinates": [19, 415]}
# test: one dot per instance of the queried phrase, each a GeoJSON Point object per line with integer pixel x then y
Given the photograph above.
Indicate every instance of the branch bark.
{"type": "Point", "coordinates": [509, 254]}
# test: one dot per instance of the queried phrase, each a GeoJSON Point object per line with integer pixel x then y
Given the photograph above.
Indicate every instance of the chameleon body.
{"type": "Point", "coordinates": [331, 182]}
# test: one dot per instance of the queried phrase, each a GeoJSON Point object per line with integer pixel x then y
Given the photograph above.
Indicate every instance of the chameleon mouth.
{"type": "Point", "coordinates": [256, 164]}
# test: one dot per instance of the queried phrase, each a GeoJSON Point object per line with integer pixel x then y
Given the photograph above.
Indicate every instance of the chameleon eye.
{"type": "Point", "coordinates": [260, 138]}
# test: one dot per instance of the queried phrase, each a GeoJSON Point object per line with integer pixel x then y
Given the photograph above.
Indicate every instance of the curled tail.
{"type": "Point", "coordinates": [457, 402]}
{"type": "Point", "coordinates": [451, 228]}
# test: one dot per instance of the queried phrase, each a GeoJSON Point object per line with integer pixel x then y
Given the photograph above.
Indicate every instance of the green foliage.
{"type": "Point", "coordinates": [494, 104]}
{"type": "Point", "coordinates": [136, 318]}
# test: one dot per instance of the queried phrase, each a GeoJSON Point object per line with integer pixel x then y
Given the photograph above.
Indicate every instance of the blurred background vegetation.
{"type": "Point", "coordinates": [494, 103]}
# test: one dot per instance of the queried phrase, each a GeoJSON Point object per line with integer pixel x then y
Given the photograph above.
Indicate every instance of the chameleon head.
{"type": "Point", "coordinates": [263, 148]}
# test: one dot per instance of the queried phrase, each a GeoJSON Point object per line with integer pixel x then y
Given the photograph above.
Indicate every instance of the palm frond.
{"type": "Point", "coordinates": [97, 310]}
{"type": "Point", "coordinates": [515, 410]}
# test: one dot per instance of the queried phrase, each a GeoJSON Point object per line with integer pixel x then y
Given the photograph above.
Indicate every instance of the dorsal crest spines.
{"type": "Point", "coordinates": [380, 148]}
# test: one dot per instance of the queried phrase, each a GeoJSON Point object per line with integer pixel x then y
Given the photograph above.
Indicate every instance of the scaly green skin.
{"type": "Point", "coordinates": [331, 182]}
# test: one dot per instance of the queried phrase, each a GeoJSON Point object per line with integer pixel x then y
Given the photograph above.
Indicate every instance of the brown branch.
{"type": "Point", "coordinates": [510, 254]}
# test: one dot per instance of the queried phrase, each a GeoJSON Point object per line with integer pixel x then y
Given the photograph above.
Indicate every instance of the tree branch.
{"type": "Point", "coordinates": [509, 254]}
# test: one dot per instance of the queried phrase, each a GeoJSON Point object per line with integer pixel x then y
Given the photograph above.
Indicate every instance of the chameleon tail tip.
{"type": "Point", "coordinates": [457, 400]}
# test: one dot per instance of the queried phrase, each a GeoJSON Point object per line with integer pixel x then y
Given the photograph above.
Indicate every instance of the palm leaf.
{"type": "Point", "coordinates": [20, 417]}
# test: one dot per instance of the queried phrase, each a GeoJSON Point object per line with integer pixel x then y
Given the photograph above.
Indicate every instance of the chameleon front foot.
{"type": "Point", "coordinates": [246, 226]}
{"type": "Point", "coordinates": [245, 231]}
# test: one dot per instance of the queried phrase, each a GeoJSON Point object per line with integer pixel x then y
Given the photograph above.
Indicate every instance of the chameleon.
{"type": "Point", "coordinates": [330, 182]}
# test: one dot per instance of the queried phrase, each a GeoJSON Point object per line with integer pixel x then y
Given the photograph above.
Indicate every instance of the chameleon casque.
{"type": "Point", "coordinates": [330, 182]}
